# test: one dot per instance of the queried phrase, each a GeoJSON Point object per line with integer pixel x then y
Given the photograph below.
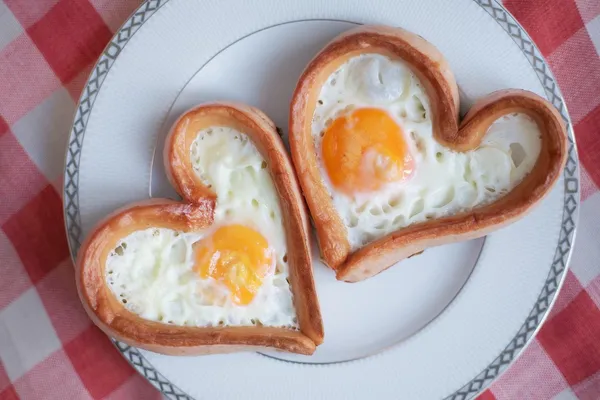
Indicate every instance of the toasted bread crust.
{"type": "Point", "coordinates": [433, 71]}
{"type": "Point", "coordinates": [195, 213]}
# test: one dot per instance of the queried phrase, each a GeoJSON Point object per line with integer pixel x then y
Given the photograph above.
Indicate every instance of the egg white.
{"type": "Point", "coordinates": [444, 182]}
{"type": "Point", "coordinates": [151, 271]}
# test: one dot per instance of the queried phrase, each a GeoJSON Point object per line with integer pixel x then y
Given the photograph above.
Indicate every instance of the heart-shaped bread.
{"type": "Point", "coordinates": [217, 272]}
{"type": "Point", "coordinates": [387, 168]}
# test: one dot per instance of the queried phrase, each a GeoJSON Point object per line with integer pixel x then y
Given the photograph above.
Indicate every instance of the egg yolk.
{"type": "Point", "coordinates": [237, 256]}
{"type": "Point", "coordinates": [364, 150]}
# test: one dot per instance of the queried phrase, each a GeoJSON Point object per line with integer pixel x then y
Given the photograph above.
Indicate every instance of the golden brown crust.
{"type": "Point", "coordinates": [196, 213]}
{"type": "Point", "coordinates": [433, 71]}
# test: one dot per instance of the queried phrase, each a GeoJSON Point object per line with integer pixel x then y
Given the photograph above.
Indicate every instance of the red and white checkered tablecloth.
{"type": "Point", "coordinates": [49, 349]}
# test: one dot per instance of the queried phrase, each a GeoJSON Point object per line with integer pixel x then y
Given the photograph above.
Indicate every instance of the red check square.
{"type": "Point", "coordinates": [14, 281]}
{"type": "Point", "coordinates": [70, 36]}
{"type": "Point", "coordinates": [99, 365]}
{"type": "Point", "coordinates": [75, 86]}
{"type": "Point", "coordinates": [587, 132]}
{"type": "Point", "coordinates": [3, 126]}
{"type": "Point", "coordinates": [27, 79]}
{"type": "Point", "coordinates": [53, 378]}
{"type": "Point", "coordinates": [38, 234]}
{"type": "Point", "coordinates": [59, 295]}
{"type": "Point", "coordinates": [570, 289]}
{"type": "Point", "coordinates": [487, 395]}
{"type": "Point", "coordinates": [571, 339]}
{"type": "Point", "coordinates": [576, 66]}
{"type": "Point", "coordinates": [20, 180]}
{"type": "Point", "coordinates": [29, 12]}
{"type": "Point", "coordinates": [549, 22]}
{"type": "Point", "coordinates": [4, 379]}
{"type": "Point", "coordinates": [9, 394]}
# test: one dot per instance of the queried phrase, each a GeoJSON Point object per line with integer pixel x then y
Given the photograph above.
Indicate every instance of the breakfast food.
{"type": "Point", "coordinates": [386, 168]}
{"type": "Point", "coordinates": [227, 269]}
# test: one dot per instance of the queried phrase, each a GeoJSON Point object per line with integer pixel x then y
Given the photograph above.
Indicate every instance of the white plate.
{"type": "Point", "coordinates": [441, 325]}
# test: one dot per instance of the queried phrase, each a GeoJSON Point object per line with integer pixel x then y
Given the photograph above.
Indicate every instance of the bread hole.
{"type": "Point", "coordinates": [255, 203]}
{"type": "Point", "coordinates": [490, 189]}
{"type": "Point", "coordinates": [353, 222]}
{"type": "Point", "coordinates": [110, 272]}
{"type": "Point", "coordinates": [209, 132]}
{"type": "Point", "coordinates": [417, 208]}
{"type": "Point", "coordinates": [263, 165]}
{"type": "Point", "coordinates": [421, 114]}
{"type": "Point", "coordinates": [221, 323]}
{"type": "Point", "coordinates": [155, 232]}
{"type": "Point", "coordinates": [320, 102]}
{"type": "Point", "coordinates": [124, 301]}
{"type": "Point", "coordinates": [169, 322]}
{"type": "Point", "coordinates": [429, 216]}
{"type": "Point", "coordinates": [285, 257]}
{"type": "Point", "coordinates": [368, 237]}
{"type": "Point", "coordinates": [119, 251]}
{"type": "Point", "coordinates": [360, 209]}
{"type": "Point", "coordinates": [288, 281]}
{"type": "Point", "coordinates": [421, 146]}
{"type": "Point", "coordinates": [161, 317]}
{"type": "Point", "coordinates": [322, 134]}
{"type": "Point", "coordinates": [444, 199]}
{"type": "Point", "coordinates": [413, 135]}
{"type": "Point", "coordinates": [176, 234]}
{"type": "Point", "coordinates": [375, 211]}
{"type": "Point", "coordinates": [467, 173]}
{"type": "Point", "coordinates": [333, 82]}
{"type": "Point", "coordinates": [399, 220]}
{"type": "Point", "coordinates": [253, 321]}
{"type": "Point", "coordinates": [272, 214]}
{"type": "Point", "coordinates": [382, 224]}
{"type": "Point", "coordinates": [395, 201]}
{"type": "Point", "coordinates": [439, 156]}
{"type": "Point", "coordinates": [517, 153]}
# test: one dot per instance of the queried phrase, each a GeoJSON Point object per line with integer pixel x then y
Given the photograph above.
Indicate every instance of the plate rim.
{"type": "Point", "coordinates": [556, 275]}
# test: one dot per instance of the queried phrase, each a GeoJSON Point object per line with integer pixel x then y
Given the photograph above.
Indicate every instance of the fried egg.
{"type": "Point", "coordinates": [234, 273]}
{"type": "Point", "coordinates": [372, 129]}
